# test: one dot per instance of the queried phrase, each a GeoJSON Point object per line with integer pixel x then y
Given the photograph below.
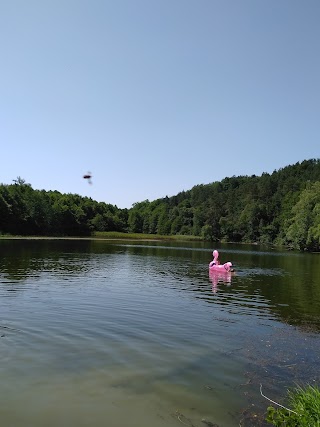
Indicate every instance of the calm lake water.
{"type": "Point", "coordinates": [138, 334]}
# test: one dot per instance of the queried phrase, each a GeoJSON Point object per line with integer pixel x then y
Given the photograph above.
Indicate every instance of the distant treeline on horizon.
{"type": "Point", "coordinates": [282, 208]}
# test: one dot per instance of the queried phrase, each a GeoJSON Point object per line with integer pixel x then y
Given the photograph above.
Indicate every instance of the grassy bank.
{"type": "Point", "coordinates": [140, 236]}
{"type": "Point", "coordinates": [304, 404]}
{"type": "Point", "coordinates": [110, 235]}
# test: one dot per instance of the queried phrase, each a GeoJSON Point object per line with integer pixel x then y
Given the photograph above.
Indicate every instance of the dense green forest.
{"type": "Point", "coordinates": [282, 208]}
{"type": "Point", "coordinates": [25, 211]}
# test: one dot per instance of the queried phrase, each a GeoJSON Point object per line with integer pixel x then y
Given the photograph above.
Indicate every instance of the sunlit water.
{"type": "Point", "coordinates": [94, 333]}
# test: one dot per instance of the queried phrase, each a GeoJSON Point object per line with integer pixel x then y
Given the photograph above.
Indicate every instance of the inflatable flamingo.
{"type": "Point", "coordinates": [216, 266]}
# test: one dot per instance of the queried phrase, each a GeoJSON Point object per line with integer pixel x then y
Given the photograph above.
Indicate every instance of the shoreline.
{"type": "Point", "coordinates": [145, 239]}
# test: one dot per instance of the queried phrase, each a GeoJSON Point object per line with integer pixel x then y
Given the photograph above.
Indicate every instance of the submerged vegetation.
{"type": "Point", "coordinates": [282, 208]}
{"type": "Point", "coordinates": [304, 412]}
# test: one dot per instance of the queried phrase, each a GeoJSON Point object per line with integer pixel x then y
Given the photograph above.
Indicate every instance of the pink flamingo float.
{"type": "Point", "coordinates": [216, 266]}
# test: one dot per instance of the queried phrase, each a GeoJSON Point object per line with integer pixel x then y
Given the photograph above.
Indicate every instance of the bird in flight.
{"type": "Point", "coordinates": [88, 176]}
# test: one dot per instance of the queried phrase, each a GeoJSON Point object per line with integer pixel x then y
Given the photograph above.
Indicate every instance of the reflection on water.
{"type": "Point", "coordinates": [94, 333]}
{"type": "Point", "coordinates": [216, 277]}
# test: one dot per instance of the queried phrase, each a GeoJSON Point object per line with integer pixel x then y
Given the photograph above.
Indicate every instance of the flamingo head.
{"type": "Point", "coordinates": [215, 254]}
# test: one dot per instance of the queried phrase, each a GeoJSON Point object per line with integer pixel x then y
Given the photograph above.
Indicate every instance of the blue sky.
{"type": "Point", "coordinates": [155, 96]}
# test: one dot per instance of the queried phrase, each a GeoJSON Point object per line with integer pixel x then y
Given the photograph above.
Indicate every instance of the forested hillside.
{"type": "Point", "coordinates": [282, 208]}
{"type": "Point", "coordinates": [278, 208]}
{"type": "Point", "coordinates": [24, 211]}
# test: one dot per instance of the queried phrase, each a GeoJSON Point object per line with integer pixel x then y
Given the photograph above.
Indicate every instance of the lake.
{"type": "Point", "coordinates": [139, 334]}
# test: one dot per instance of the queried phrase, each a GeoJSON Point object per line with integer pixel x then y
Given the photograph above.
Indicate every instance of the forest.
{"type": "Point", "coordinates": [281, 209]}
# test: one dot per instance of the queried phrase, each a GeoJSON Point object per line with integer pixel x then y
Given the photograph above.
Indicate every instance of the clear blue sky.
{"type": "Point", "coordinates": [155, 96]}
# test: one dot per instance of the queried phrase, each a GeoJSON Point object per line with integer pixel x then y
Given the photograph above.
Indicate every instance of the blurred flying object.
{"type": "Point", "coordinates": [88, 176]}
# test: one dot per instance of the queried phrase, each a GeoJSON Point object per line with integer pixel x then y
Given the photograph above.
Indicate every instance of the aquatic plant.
{"type": "Point", "coordinates": [305, 409]}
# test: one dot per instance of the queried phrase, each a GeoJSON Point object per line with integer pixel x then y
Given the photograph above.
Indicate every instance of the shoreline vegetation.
{"type": "Point", "coordinates": [123, 236]}
{"type": "Point", "coordinates": [281, 209]}
{"type": "Point", "coordinates": [107, 235]}
{"type": "Point", "coordinates": [118, 235]}
{"type": "Point", "coordinates": [305, 408]}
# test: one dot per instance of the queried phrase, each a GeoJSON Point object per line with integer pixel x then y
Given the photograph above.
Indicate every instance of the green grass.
{"type": "Point", "coordinates": [140, 236]}
{"type": "Point", "coordinates": [112, 235]}
{"type": "Point", "coordinates": [304, 404]}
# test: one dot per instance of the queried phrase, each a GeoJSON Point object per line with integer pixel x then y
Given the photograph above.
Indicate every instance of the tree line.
{"type": "Point", "coordinates": [281, 208]}
{"type": "Point", "coordinates": [25, 211]}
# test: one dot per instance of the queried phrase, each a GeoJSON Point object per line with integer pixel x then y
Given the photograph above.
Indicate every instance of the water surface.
{"type": "Point", "coordinates": [96, 333]}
